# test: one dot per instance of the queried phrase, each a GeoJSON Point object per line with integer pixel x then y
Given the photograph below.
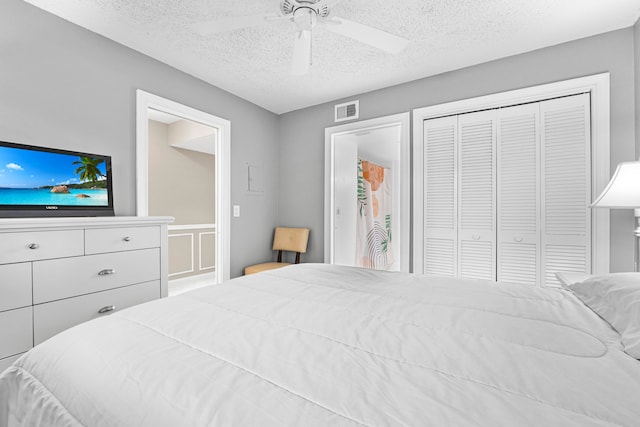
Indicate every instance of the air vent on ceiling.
{"type": "Point", "coordinates": [347, 111]}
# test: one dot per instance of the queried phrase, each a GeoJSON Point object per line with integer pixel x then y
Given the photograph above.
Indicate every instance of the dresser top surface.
{"type": "Point", "coordinates": [31, 224]}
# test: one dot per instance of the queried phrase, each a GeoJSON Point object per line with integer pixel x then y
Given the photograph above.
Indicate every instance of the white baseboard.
{"type": "Point", "coordinates": [178, 286]}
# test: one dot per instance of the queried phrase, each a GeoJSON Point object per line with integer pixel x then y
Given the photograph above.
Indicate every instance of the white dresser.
{"type": "Point", "coordinates": [58, 272]}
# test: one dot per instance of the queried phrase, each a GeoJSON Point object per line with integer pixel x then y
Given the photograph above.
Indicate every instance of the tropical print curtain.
{"type": "Point", "coordinates": [373, 231]}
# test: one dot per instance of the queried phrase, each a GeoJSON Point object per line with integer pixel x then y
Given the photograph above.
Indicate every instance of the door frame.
{"type": "Point", "coordinates": [596, 85]}
{"type": "Point", "coordinates": [146, 100]}
{"type": "Point", "coordinates": [330, 134]}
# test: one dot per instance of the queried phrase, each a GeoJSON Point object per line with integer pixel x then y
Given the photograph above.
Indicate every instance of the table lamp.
{"type": "Point", "coordinates": [623, 192]}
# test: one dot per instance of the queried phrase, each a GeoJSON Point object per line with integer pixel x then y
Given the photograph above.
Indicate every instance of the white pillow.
{"type": "Point", "coordinates": [616, 298]}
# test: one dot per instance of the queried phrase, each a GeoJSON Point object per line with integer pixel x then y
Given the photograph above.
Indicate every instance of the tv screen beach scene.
{"type": "Point", "coordinates": [43, 178]}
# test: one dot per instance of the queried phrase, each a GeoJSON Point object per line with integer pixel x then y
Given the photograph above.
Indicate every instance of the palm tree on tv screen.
{"type": "Point", "coordinates": [88, 169]}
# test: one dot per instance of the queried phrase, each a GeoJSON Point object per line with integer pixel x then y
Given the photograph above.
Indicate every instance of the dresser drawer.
{"type": "Point", "coordinates": [16, 331]}
{"type": "Point", "coordinates": [103, 240]}
{"type": "Point", "coordinates": [54, 317]}
{"type": "Point", "coordinates": [15, 286]}
{"type": "Point", "coordinates": [35, 245]}
{"type": "Point", "coordinates": [63, 278]}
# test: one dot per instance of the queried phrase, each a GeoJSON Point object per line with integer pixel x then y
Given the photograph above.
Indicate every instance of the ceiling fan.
{"type": "Point", "coordinates": [308, 15]}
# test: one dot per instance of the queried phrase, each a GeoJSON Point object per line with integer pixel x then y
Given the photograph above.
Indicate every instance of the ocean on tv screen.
{"type": "Point", "coordinates": [45, 197]}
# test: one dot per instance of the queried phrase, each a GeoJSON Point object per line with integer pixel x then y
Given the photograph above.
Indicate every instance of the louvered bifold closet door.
{"type": "Point", "coordinates": [440, 204]}
{"type": "Point", "coordinates": [518, 159]}
{"type": "Point", "coordinates": [476, 195]}
{"type": "Point", "coordinates": [566, 177]}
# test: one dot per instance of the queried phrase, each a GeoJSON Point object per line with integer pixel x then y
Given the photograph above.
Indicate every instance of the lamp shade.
{"type": "Point", "coordinates": [623, 191]}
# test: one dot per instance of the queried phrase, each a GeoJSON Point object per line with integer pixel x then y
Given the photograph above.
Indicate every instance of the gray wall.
{"type": "Point", "coordinates": [636, 52]}
{"type": "Point", "coordinates": [302, 132]}
{"type": "Point", "coordinates": [63, 86]}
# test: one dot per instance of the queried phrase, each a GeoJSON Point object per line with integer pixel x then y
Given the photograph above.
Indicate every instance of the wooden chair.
{"type": "Point", "coordinates": [284, 239]}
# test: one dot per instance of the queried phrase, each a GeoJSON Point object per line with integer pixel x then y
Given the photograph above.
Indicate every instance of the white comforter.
{"type": "Point", "coordinates": [323, 345]}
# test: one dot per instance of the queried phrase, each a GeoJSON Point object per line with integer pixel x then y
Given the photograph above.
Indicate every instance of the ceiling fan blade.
{"type": "Point", "coordinates": [235, 23]}
{"type": "Point", "coordinates": [368, 35]}
{"type": "Point", "coordinates": [301, 53]}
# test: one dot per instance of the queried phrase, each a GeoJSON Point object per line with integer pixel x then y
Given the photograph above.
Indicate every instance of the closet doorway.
{"type": "Point", "coordinates": [503, 184]}
{"type": "Point", "coordinates": [183, 171]}
{"type": "Point", "coordinates": [367, 202]}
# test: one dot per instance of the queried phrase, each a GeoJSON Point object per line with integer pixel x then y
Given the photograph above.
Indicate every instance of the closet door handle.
{"type": "Point", "coordinates": [33, 246]}
{"type": "Point", "coordinates": [126, 239]}
{"type": "Point", "coordinates": [106, 272]}
{"type": "Point", "coordinates": [476, 237]}
{"type": "Point", "coordinates": [107, 309]}
{"type": "Point", "coordinates": [518, 239]}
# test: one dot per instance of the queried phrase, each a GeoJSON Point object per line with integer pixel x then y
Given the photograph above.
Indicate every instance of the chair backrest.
{"type": "Point", "coordinates": [290, 239]}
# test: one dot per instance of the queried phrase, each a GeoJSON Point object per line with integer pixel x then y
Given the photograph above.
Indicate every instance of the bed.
{"type": "Point", "coordinates": [323, 345]}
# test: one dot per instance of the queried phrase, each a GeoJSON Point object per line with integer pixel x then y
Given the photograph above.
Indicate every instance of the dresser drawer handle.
{"type": "Point", "coordinates": [106, 309]}
{"type": "Point", "coordinates": [127, 239]}
{"type": "Point", "coordinates": [106, 272]}
{"type": "Point", "coordinates": [34, 246]}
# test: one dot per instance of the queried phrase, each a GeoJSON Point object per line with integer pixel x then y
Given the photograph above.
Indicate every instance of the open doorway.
{"type": "Point", "coordinates": [183, 171]}
{"type": "Point", "coordinates": [367, 194]}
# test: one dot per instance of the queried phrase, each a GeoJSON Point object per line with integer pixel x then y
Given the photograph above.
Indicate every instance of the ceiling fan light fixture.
{"type": "Point", "coordinates": [305, 18]}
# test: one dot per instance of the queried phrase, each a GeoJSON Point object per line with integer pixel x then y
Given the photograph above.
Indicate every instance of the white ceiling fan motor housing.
{"type": "Point", "coordinates": [289, 7]}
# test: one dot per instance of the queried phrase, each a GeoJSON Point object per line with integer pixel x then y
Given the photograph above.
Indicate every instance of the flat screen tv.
{"type": "Point", "coordinates": [41, 181]}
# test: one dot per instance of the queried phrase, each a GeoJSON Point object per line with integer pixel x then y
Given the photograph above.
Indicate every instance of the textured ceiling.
{"type": "Point", "coordinates": [255, 63]}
